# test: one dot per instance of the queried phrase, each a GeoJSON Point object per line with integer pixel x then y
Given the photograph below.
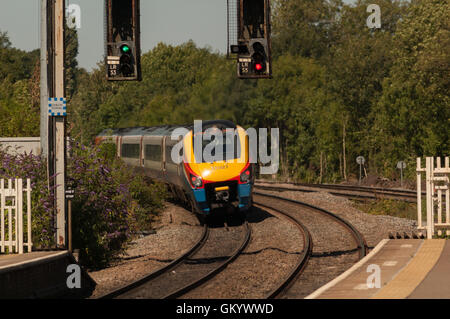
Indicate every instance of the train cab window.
{"type": "Point", "coordinates": [228, 148]}
{"type": "Point", "coordinates": [153, 153]}
{"type": "Point", "coordinates": [130, 150]}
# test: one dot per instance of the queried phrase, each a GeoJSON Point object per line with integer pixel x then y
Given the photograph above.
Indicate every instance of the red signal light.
{"type": "Point", "coordinates": [258, 66]}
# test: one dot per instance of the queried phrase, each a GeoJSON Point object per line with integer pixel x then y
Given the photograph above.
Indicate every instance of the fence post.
{"type": "Point", "coordinates": [419, 193]}
{"type": "Point", "coordinates": [447, 195]}
{"type": "Point", "coordinates": [19, 185]}
{"type": "Point", "coordinates": [30, 244]}
{"type": "Point", "coordinates": [429, 173]}
{"type": "Point", "coordinates": [439, 194]}
{"type": "Point", "coordinates": [2, 207]}
{"type": "Point", "coordinates": [10, 220]}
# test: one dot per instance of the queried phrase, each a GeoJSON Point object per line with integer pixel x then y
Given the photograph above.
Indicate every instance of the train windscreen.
{"type": "Point", "coordinates": [225, 148]}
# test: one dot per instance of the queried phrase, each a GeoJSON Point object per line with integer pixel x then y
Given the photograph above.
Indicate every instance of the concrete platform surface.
{"type": "Point", "coordinates": [7, 261]}
{"type": "Point", "coordinates": [39, 275]}
{"type": "Point", "coordinates": [395, 269]}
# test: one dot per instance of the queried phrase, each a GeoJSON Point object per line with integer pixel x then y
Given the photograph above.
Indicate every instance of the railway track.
{"type": "Point", "coordinates": [218, 247]}
{"type": "Point", "coordinates": [303, 258]}
{"type": "Point", "coordinates": [323, 248]}
{"type": "Point", "coordinates": [197, 266]}
{"type": "Point", "coordinates": [353, 192]}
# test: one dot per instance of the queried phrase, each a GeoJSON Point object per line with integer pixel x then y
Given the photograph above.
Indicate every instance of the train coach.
{"type": "Point", "coordinates": [205, 186]}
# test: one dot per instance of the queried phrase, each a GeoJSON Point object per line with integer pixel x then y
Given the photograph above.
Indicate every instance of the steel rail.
{"type": "Point", "coordinates": [199, 244]}
{"type": "Point", "coordinates": [375, 194]}
{"type": "Point", "coordinates": [358, 237]}
{"type": "Point", "coordinates": [178, 293]}
{"type": "Point", "coordinates": [345, 187]}
{"type": "Point", "coordinates": [304, 256]}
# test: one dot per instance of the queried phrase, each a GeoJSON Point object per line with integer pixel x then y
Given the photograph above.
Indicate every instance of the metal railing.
{"type": "Point", "coordinates": [437, 184]}
{"type": "Point", "coordinates": [12, 228]}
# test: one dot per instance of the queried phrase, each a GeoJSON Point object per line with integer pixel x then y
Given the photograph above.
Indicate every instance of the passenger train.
{"type": "Point", "coordinates": [203, 185]}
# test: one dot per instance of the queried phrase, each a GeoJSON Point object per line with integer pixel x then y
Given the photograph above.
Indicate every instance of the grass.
{"type": "Point", "coordinates": [389, 207]}
{"type": "Point", "coordinates": [397, 209]}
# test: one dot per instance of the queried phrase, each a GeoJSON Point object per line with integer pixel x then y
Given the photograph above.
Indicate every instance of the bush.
{"type": "Point", "coordinates": [35, 168]}
{"type": "Point", "coordinates": [111, 202]}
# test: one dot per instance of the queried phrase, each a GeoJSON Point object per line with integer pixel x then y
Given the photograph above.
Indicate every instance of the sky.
{"type": "Point", "coordinates": [170, 21]}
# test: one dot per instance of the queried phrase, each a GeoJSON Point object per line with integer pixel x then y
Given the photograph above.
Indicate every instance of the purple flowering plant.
{"type": "Point", "coordinates": [27, 165]}
{"type": "Point", "coordinates": [112, 202]}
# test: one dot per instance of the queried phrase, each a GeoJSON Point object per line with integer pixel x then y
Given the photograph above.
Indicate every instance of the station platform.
{"type": "Point", "coordinates": [13, 260]}
{"type": "Point", "coordinates": [395, 269]}
{"type": "Point", "coordinates": [40, 275]}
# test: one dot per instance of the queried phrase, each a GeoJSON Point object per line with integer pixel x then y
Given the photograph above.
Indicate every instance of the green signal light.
{"type": "Point", "coordinates": [125, 49]}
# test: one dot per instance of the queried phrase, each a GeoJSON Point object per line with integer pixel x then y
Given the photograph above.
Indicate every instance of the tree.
{"type": "Point", "coordinates": [413, 115]}
{"type": "Point", "coordinates": [180, 84]}
{"type": "Point", "coordinates": [300, 27]}
{"type": "Point", "coordinates": [4, 40]}
{"type": "Point", "coordinates": [18, 113]}
{"type": "Point", "coordinates": [359, 59]}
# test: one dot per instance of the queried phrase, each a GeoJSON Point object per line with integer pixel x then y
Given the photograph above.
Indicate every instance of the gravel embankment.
{"type": "Point", "coordinates": [177, 232]}
{"type": "Point", "coordinates": [373, 227]}
{"type": "Point", "coordinates": [271, 255]}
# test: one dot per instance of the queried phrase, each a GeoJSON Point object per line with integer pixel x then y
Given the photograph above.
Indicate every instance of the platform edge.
{"type": "Point", "coordinates": [348, 272]}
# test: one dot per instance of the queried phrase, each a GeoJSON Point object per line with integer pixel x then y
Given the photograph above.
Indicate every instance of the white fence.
{"type": "Point", "coordinates": [437, 184]}
{"type": "Point", "coordinates": [12, 216]}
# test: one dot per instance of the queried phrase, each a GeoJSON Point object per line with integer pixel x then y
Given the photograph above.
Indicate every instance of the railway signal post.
{"type": "Point", "coordinates": [122, 43]}
{"type": "Point", "coordinates": [253, 47]}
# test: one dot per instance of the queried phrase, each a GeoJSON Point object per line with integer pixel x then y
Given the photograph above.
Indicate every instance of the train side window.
{"type": "Point", "coordinates": [169, 154]}
{"type": "Point", "coordinates": [153, 153]}
{"type": "Point", "coordinates": [130, 151]}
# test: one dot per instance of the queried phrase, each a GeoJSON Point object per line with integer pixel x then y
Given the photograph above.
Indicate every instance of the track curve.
{"type": "Point", "coordinates": [197, 266]}
{"type": "Point", "coordinates": [330, 247]}
{"type": "Point", "coordinates": [353, 192]}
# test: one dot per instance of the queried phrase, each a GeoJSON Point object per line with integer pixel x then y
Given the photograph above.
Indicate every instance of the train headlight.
{"type": "Point", "coordinates": [245, 176]}
{"type": "Point", "coordinates": [196, 181]}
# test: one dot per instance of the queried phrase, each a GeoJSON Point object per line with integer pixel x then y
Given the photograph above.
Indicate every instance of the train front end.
{"type": "Point", "coordinates": [227, 179]}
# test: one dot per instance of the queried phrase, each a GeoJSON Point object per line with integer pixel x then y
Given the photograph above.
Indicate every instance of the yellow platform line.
{"type": "Point", "coordinates": [414, 273]}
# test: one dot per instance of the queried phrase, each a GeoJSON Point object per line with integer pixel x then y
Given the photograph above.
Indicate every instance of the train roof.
{"type": "Point", "coordinates": [163, 130]}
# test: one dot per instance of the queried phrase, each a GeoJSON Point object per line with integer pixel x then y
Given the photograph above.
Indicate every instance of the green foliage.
{"type": "Point", "coordinates": [19, 85]}
{"type": "Point", "coordinates": [148, 197]}
{"type": "Point", "coordinates": [389, 207]}
{"type": "Point", "coordinates": [179, 84]}
{"type": "Point", "coordinates": [17, 115]}
{"type": "Point", "coordinates": [339, 89]}
{"type": "Point", "coordinates": [413, 114]}
{"type": "Point", "coordinates": [301, 27]}
{"type": "Point", "coordinates": [111, 203]}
